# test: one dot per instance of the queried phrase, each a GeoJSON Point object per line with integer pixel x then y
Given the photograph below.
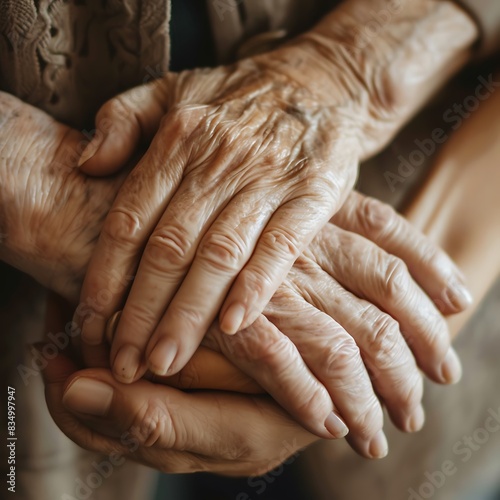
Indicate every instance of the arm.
{"type": "Point", "coordinates": [48, 216]}
{"type": "Point", "coordinates": [400, 52]}
{"type": "Point", "coordinates": [458, 206]}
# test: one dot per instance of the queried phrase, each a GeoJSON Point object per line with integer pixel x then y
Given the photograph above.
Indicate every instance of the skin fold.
{"type": "Point", "coordinates": [246, 164]}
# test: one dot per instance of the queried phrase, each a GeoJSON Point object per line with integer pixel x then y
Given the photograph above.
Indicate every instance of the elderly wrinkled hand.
{"type": "Point", "coordinates": [247, 163]}
{"type": "Point", "coordinates": [328, 328]}
{"type": "Point", "coordinates": [244, 170]}
{"type": "Point", "coordinates": [170, 430]}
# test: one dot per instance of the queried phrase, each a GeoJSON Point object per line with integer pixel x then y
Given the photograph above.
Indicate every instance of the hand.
{"type": "Point", "coordinates": [248, 163]}
{"type": "Point", "coordinates": [245, 168]}
{"type": "Point", "coordinates": [293, 313]}
{"type": "Point", "coordinates": [172, 431]}
{"type": "Point", "coordinates": [347, 297]}
{"type": "Point", "coordinates": [319, 332]}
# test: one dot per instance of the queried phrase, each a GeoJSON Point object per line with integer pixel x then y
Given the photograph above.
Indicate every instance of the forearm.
{"type": "Point", "coordinates": [388, 57]}
{"type": "Point", "coordinates": [50, 214]}
{"type": "Point", "coordinates": [459, 207]}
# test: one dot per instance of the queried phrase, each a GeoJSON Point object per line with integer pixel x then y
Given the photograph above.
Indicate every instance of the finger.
{"type": "Point", "coordinates": [136, 211]}
{"type": "Point", "coordinates": [219, 253]}
{"type": "Point", "coordinates": [208, 369]}
{"type": "Point", "coordinates": [135, 116]}
{"type": "Point", "coordinates": [155, 421]}
{"type": "Point", "coordinates": [56, 371]}
{"type": "Point", "coordinates": [121, 124]}
{"type": "Point", "coordinates": [287, 234]}
{"type": "Point", "coordinates": [164, 263]}
{"type": "Point", "coordinates": [334, 358]}
{"type": "Point", "coordinates": [431, 267]}
{"type": "Point", "coordinates": [384, 280]}
{"type": "Point", "coordinates": [269, 357]}
{"type": "Point", "coordinates": [387, 357]}
{"type": "Point", "coordinates": [99, 434]}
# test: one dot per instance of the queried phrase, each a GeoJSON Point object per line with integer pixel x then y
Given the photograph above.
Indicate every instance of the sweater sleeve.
{"type": "Point", "coordinates": [487, 15]}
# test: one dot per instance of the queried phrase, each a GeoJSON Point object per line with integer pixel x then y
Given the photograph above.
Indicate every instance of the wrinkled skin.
{"type": "Point", "coordinates": [248, 162]}
{"type": "Point", "coordinates": [245, 168]}
{"type": "Point", "coordinates": [295, 348]}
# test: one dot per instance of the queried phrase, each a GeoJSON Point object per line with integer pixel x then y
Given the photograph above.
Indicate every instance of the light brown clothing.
{"type": "Point", "coordinates": [67, 58]}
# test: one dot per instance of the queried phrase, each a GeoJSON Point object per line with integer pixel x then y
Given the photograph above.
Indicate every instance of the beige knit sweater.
{"type": "Point", "coordinates": [68, 57]}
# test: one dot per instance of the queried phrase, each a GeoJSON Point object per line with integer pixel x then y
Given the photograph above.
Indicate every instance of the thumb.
{"type": "Point", "coordinates": [56, 373]}
{"type": "Point", "coordinates": [121, 124]}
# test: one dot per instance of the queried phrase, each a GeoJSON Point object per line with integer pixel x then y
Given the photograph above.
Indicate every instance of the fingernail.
{"type": "Point", "coordinates": [126, 363]}
{"type": "Point", "coordinates": [91, 149]}
{"type": "Point", "coordinates": [416, 420]}
{"type": "Point", "coordinates": [458, 294]}
{"type": "Point", "coordinates": [451, 368]}
{"type": "Point", "coordinates": [89, 396]}
{"type": "Point", "coordinates": [378, 447]}
{"type": "Point", "coordinates": [335, 426]}
{"type": "Point", "coordinates": [232, 320]}
{"type": "Point", "coordinates": [162, 356]}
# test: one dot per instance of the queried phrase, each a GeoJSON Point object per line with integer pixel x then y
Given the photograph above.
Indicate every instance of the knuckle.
{"type": "Point", "coordinates": [279, 240]}
{"type": "Point", "coordinates": [276, 354]}
{"type": "Point", "coordinates": [436, 335]}
{"type": "Point", "coordinates": [154, 422]}
{"type": "Point", "coordinates": [118, 107]}
{"type": "Point", "coordinates": [339, 358]}
{"type": "Point", "coordinates": [314, 403]}
{"type": "Point", "coordinates": [395, 279]}
{"type": "Point", "coordinates": [122, 227]}
{"type": "Point", "coordinates": [256, 279]}
{"type": "Point", "coordinates": [410, 393]}
{"type": "Point", "coordinates": [364, 424]}
{"type": "Point", "coordinates": [168, 247]}
{"type": "Point", "coordinates": [376, 217]}
{"type": "Point", "coordinates": [186, 314]}
{"type": "Point", "coordinates": [269, 349]}
{"type": "Point", "coordinates": [383, 340]}
{"type": "Point", "coordinates": [138, 315]}
{"type": "Point", "coordinates": [431, 255]}
{"type": "Point", "coordinates": [184, 118]}
{"type": "Point", "coordinates": [221, 252]}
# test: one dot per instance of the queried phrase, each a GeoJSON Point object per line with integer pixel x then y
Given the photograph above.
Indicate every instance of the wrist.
{"type": "Point", "coordinates": [380, 59]}
{"type": "Point", "coordinates": [36, 191]}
